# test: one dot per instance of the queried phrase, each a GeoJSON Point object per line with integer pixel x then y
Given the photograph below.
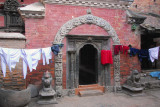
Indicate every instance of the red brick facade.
{"type": "Point", "coordinates": [146, 6]}
{"type": "Point", "coordinates": [1, 21]}
{"type": "Point", "coordinates": [41, 32]}
{"type": "Point", "coordinates": [14, 79]}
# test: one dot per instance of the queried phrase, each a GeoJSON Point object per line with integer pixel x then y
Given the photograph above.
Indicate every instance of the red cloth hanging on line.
{"type": "Point", "coordinates": [106, 57]}
{"type": "Point", "coordinates": [125, 50]}
{"type": "Point", "coordinates": [117, 48]}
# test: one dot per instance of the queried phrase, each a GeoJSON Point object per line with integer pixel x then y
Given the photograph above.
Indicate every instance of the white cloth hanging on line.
{"type": "Point", "coordinates": [30, 59]}
{"type": "Point", "coordinates": [46, 55]}
{"type": "Point", "coordinates": [153, 53]}
{"type": "Point", "coordinates": [9, 57]}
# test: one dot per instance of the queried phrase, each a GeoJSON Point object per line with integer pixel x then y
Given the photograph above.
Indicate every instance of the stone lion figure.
{"type": "Point", "coordinates": [134, 79]}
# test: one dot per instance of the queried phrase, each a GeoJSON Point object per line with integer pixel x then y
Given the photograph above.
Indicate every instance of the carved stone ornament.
{"type": "Point", "coordinates": [90, 3]}
{"type": "Point", "coordinates": [134, 18]}
{"type": "Point", "coordinates": [34, 10]}
{"type": "Point", "coordinates": [87, 19]}
{"type": "Point", "coordinates": [11, 5]}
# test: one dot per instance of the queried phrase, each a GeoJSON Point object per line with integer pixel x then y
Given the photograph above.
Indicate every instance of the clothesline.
{"type": "Point", "coordinates": [9, 57]}
{"type": "Point", "coordinates": [151, 53]}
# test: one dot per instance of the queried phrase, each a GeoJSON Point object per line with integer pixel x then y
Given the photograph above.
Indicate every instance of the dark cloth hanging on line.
{"type": "Point", "coordinates": [117, 49]}
{"type": "Point", "coordinates": [143, 53]}
{"type": "Point", "coordinates": [106, 57]}
{"type": "Point", "coordinates": [134, 51]}
{"type": "Point", "coordinates": [55, 48]}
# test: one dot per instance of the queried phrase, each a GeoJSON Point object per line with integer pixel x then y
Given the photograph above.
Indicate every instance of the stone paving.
{"type": "Point", "coordinates": [151, 98]}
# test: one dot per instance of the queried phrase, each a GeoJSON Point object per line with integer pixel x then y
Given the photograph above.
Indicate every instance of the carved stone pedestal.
{"type": "Point", "coordinates": [133, 91]}
{"type": "Point", "coordinates": [47, 98]}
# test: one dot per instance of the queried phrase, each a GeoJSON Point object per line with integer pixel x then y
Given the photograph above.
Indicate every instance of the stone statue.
{"type": "Point", "coordinates": [47, 94]}
{"type": "Point", "coordinates": [46, 81]}
{"type": "Point", "coordinates": [133, 84]}
{"type": "Point", "coordinates": [134, 79]}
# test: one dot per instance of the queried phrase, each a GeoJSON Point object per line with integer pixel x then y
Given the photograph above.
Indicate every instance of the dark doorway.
{"type": "Point", "coordinates": [88, 65]}
{"type": "Point", "coordinates": [148, 41]}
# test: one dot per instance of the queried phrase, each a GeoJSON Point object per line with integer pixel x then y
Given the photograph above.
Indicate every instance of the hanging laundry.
{"type": "Point", "coordinates": [106, 57]}
{"type": "Point", "coordinates": [153, 53]}
{"type": "Point", "coordinates": [9, 57]}
{"type": "Point", "coordinates": [46, 55]}
{"type": "Point", "coordinates": [30, 59]}
{"type": "Point", "coordinates": [125, 50]}
{"type": "Point", "coordinates": [143, 53]}
{"type": "Point", "coordinates": [55, 49]}
{"type": "Point", "coordinates": [134, 51]}
{"type": "Point", "coordinates": [117, 49]}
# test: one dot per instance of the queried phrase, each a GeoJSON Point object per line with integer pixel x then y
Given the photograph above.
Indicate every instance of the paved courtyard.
{"type": "Point", "coordinates": [151, 98]}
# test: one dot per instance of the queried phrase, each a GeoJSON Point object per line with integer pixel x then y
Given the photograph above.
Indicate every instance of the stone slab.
{"type": "Point", "coordinates": [133, 94]}
{"type": "Point", "coordinates": [12, 35]}
{"type": "Point", "coordinates": [90, 93]}
{"type": "Point", "coordinates": [37, 6]}
{"type": "Point", "coordinates": [47, 101]}
{"type": "Point", "coordinates": [132, 88]}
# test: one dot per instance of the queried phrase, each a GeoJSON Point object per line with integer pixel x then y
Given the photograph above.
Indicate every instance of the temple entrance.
{"type": "Point", "coordinates": [88, 64]}
{"type": "Point", "coordinates": [84, 61]}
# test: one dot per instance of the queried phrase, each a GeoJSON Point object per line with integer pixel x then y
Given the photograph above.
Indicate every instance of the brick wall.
{"type": "Point", "coordinates": [41, 33]}
{"type": "Point", "coordinates": [13, 80]}
{"type": "Point", "coordinates": [146, 6]}
{"type": "Point", "coordinates": [1, 21]}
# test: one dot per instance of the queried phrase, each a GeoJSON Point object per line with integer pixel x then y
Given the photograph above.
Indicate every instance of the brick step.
{"type": "Point", "coordinates": [90, 93]}
{"type": "Point", "coordinates": [86, 86]}
{"type": "Point", "coordinates": [89, 87]}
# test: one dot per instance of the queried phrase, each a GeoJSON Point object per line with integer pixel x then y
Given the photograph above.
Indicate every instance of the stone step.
{"type": "Point", "coordinates": [92, 85]}
{"type": "Point", "coordinates": [89, 87]}
{"type": "Point", "coordinates": [150, 70]}
{"type": "Point", "coordinates": [90, 93]}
